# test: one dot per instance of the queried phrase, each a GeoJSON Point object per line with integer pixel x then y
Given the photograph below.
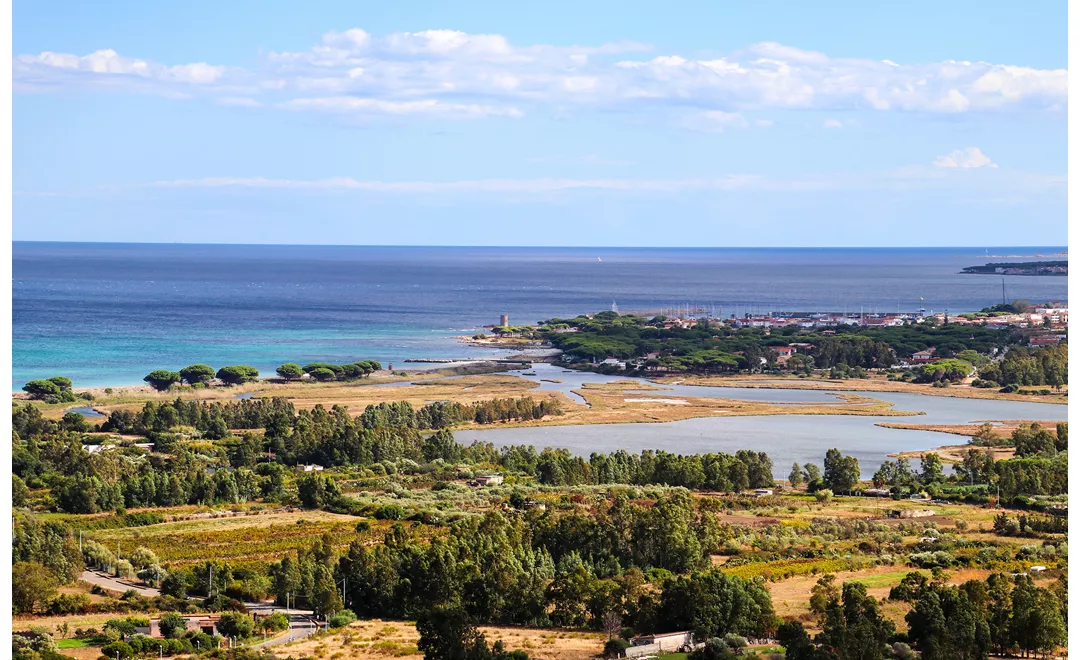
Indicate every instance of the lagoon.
{"type": "Point", "coordinates": [786, 438]}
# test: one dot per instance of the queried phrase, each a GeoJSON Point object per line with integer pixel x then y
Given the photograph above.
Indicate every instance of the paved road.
{"type": "Point", "coordinates": [301, 622]}
{"type": "Point", "coordinates": [301, 625]}
{"type": "Point", "coordinates": [105, 581]}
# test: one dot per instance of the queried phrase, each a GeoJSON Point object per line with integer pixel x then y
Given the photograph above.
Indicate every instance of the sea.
{"type": "Point", "coordinates": [106, 314]}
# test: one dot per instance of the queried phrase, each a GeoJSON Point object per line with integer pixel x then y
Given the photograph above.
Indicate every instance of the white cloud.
{"type": "Point", "coordinates": [238, 102]}
{"type": "Point", "coordinates": [469, 75]}
{"type": "Point", "coordinates": [986, 181]}
{"type": "Point", "coordinates": [968, 157]}
{"type": "Point", "coordinates": [836, 124]}
{"type": "Point", "coordinates": [36, 69]}
{"type": "Point", "coordinates": [541, 185]}
{"type": "Point", "coordinates": [426, 107]}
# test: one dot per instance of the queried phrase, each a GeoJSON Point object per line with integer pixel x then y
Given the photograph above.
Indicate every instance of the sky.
{"type": "Point", "coordinates": [557, 123]}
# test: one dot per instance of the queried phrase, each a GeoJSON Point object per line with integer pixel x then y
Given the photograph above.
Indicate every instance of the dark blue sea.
{"type": "Point", "coordinates": [106, 314]}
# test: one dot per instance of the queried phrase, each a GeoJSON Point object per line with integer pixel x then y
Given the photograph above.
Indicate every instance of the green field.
{"type": "Point", "coordinates": [72, 643]}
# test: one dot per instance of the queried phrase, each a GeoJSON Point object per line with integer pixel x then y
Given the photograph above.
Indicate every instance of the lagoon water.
{"type": "Point", "coordinates": [107, 314]}
{"type": "Point", "coordinates": [786, 438]}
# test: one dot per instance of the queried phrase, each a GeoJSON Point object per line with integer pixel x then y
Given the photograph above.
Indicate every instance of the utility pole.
{"type": "Point", "coordinates": [210, 587]}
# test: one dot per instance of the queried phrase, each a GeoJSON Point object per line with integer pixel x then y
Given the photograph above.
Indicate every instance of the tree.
{"type": "Point", "coordinates": [322, 374]}
{"type": "Point", "coordinates": [811, 473]}
{"type": "Point", "coordinates": [446, 634]}
{"type": "Point", "coordinates": [1048, 624]}
{"type": "Point", "coordinates": [910, 588]}
{"type": "Point", "coordinates": [31, 584]}
{"type": "Point", "coordinates": [276, 621]}
{"type": "Point", "coordinates": [823, 592]}
{"type": "Point", "coordinates": [713, 604]}
{"type": "Point", "coordinates": [41, 389]}
{"type": "Point", "coordinates": [235, 624]}
{"type": "Point", "coordinates": [977, 466]}
{"type": "Point", "coordinates": [73, 421]}
{"type": "Point", "coordinates": [1034, 440]}
{"type": "Point", "coordinates": [335, 369]}
{"type": "Point", "coordinates": [237, 374]}
{"type": "Point", "coordinates": [142, 557]}
{"type": "Point", "coordinates": [841, 472]}
{"type": "Point", "coordinates": [63, 382]}
{"type": "Point", "coordinates": [611, 622]}
{"type": "Point", "coordinates": [162, 379]}
{"type": "Point", "coordinates": [1036, 623]}
{"type": "Point", "coordinates": [441, 444]}
{"type": "Point", "coordinates": [931, 470]}
{"type": "Point", "coordinates": [796, 476]}
{"type": "Point", "coordinates": [944, 370]}
{"type": "Point", "coordinates": [797, 643]}
{"type": "Point", "coordinates": [854, 628]}
{"type": "Point", "coordinates": [197, 373]}
{"type": "Point", "coordinates": [173, 625]}
{"type": "Point", "coordinates": [316, 490]}
{"type": "Point", "coordinates": [19, 492]}
{"type": "Point", "coordinates": [290, 371]}
{"type": "Point", "coordinates": [945, 624]}
{"type": "Point", "coordinates": [985, 437]}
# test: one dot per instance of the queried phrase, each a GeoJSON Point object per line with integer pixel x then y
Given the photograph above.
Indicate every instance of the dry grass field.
{"type": "Point", "coordinates": [607, 403]}
{"type": "Point", "coordinates": [875, 383]}
{"type": "Point", "coordinates": [378, 639]}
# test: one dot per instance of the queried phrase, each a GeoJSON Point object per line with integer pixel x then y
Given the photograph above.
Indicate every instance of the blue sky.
{"type": "Point", "coordinates": [600, 123]}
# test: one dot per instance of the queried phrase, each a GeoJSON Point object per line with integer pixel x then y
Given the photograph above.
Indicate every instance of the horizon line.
{"type": "Point", "coordinates": [606, 247]}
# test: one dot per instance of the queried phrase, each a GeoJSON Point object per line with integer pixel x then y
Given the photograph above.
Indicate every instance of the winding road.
{"type": "Point", "coordinates": [301, 622]}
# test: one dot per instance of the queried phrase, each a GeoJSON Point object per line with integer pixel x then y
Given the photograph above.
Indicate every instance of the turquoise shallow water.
{"type": "Point", "coordinates": [107, 314]}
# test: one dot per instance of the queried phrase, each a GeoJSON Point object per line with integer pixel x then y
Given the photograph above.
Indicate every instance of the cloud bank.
{"type": "Point", "coordinates": [450, 74]}
{"type": "Point", "coordinates": [904, 179]}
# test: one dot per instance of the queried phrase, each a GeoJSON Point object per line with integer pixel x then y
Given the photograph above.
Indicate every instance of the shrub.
{"type": "Point", "coordinates": [389, 512]}
{"type": "Point", "coordinates": [120, 650]}
{"type": "Point", "coordinates": [342, 619]}
{"type": "Point", "coordinates": [615, 647]}
{"type": "Point", "coordinates": [69, 604]}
